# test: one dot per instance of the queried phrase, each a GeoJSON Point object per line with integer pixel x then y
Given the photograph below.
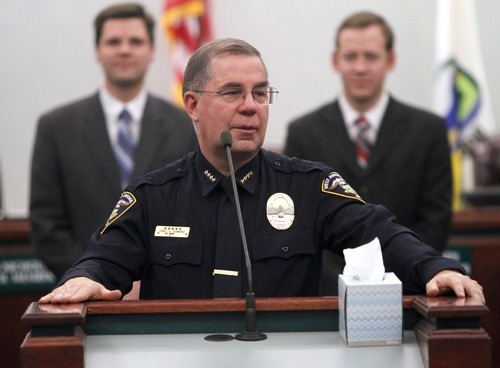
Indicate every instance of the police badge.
{"type": "Point", "coordinates": [280, 211]}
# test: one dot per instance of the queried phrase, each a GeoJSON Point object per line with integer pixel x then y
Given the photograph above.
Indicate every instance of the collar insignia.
{"type": "Point", "coordinates": [210, 176]}
{"type": "Point", "coordinates": [247, 176]}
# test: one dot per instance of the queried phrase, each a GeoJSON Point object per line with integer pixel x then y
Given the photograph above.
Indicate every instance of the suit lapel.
{"type": "Point", "coordinates": [153, 135]}
{"type": "Point", "coordinates": [344, 146]}
{"type": "Point", "coordinates": [389, 134]}
{"type": "Point", "coordinates": [339, 148]}
{"type": "Point", "coordinates": [97, 139]}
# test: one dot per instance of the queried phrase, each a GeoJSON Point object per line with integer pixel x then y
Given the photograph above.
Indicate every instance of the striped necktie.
{"type": "Point", "coordinates": [362, 143]}
{"type": "Point", "coordinates": [124, 151]}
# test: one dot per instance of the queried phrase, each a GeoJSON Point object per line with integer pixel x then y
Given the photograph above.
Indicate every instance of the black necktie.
{"type": "Point", "coordinates": [228, 255]}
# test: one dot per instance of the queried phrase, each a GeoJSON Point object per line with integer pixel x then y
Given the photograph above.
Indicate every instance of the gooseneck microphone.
{"type": "Point", "coordinates": [250, 333]}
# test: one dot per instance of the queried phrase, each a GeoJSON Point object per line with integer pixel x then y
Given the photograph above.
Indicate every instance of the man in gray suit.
{"type": "Point", "coordinates": [404, 161]}
{"type": "Point", "coordinates": [76, 177]}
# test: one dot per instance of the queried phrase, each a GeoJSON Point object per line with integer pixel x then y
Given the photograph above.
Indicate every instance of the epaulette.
{"type": "Point", "coordinates": [173, 171]}
{"type": "Point", "coordinates": [332, 182]}
{"type": "Point", "coordinates": [292, 164]}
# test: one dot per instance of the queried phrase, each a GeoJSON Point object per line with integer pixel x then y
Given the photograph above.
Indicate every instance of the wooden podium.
{"type": "Point", "coordinates": [446, 330]}
{"type": "Point", "coordinates": [476, 230]}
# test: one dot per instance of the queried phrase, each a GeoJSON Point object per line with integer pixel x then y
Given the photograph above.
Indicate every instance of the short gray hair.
{"type": "Point", "coordinates": [198, 71]}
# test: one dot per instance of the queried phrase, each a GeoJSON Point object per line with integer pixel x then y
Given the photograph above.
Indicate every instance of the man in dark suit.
{"type": "Point", "coordinates": [405, 164]}
{"type": "Point", "coordinates": [75, 176]}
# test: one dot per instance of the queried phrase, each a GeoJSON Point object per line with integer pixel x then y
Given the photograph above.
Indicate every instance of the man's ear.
{"type": "Point", "coordinates": [191, 105]}
{"type": "Point", "coordinates": [391, 63]}
{"type": "Point", "coordinates": [334, 59]}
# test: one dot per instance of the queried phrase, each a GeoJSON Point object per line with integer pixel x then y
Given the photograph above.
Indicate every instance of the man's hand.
{"type": "Point", "coordinates": [80, 289]}
{"type": "Point", "coordinates": [446, 281]}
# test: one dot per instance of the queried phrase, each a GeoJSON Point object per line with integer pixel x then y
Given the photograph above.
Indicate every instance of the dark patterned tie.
{"type": "Point", "coordinates": [125, 148]}
{"type": "Point", "coordinates": [362, 143]}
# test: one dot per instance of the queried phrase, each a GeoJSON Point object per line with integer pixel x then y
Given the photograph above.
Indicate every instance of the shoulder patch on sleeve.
{"type": "Point", "coordinates": [336, 185]}
{"type": "Point", "coordinates": [126, 201]}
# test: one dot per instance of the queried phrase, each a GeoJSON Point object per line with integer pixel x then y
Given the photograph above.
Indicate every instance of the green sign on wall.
{"type": "Point", "coordinates": [24, 273]}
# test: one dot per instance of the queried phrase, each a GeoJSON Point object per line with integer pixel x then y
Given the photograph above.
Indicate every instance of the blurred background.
{"type": "Point", "coordinates": [48, 59]}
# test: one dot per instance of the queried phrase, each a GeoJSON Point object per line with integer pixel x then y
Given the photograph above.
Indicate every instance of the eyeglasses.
{"type": "Point", "coordinates": [261, 95]}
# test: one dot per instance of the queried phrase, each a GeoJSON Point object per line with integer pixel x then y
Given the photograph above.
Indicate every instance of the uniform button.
{"type": "Point", "coordinates": [284, 249]}
{"type": "Point", "coordinates": [277, 163]}
{"type": "Point", "coordinates": [168, 256]}
{"type": "Point", "coordinates": [178, 170]}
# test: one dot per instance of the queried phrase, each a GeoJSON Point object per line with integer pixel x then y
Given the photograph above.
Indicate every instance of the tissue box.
{"type": "Point", "coordinates": [371, 313]}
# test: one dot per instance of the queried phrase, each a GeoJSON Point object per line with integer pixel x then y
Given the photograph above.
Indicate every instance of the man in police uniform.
{"type": "Point", "coordinates": [176, 228]}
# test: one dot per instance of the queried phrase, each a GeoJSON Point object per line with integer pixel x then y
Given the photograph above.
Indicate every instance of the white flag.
{"type": "Point", "coordinates": [461, 94]}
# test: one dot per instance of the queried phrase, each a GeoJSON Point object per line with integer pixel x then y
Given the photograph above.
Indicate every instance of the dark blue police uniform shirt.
{"type": "Point", "coordinates": [168, 231]}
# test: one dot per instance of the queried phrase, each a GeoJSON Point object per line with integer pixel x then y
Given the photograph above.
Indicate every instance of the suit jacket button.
{"type": "Point", "coordinates": [168, 256]}
{"type": "Point", "coordinates": [284, 249]}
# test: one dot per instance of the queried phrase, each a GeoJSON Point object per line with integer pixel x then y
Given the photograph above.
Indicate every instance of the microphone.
{"type": "Point", "coordinates": [250, 333]}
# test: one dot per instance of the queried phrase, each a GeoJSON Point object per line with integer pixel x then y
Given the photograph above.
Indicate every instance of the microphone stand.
{"type": "Point", "coordinates": [250, 333]}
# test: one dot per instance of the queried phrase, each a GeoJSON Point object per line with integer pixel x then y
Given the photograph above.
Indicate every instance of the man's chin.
{"type": "Point", "coordinates": [363, 96]}
{"type": "Point", "coordinates": [245, 148]}
{"type": "Point", "coordinates": [126, 83]}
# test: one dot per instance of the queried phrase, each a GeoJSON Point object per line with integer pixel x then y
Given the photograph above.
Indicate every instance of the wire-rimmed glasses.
{"type": "Point", "coordinates": [261, 95]}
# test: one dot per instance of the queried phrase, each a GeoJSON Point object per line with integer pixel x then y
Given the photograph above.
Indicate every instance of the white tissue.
{"type": "Point", "coordinates": [365, 263]}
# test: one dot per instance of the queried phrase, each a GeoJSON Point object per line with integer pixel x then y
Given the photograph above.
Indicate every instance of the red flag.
{"type": "Point", "coordinates": [187, 27]}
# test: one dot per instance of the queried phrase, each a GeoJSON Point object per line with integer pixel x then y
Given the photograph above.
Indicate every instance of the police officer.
{"type": "Point", "coordinates": [176, 228]}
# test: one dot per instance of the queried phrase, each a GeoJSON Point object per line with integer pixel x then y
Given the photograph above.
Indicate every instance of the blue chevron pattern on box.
{"type": "Point", "coordinates": [371, 313]}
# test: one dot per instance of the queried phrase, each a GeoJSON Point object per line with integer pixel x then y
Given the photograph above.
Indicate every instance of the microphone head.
{"type": "Point", "coordinates": [226, 138]}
